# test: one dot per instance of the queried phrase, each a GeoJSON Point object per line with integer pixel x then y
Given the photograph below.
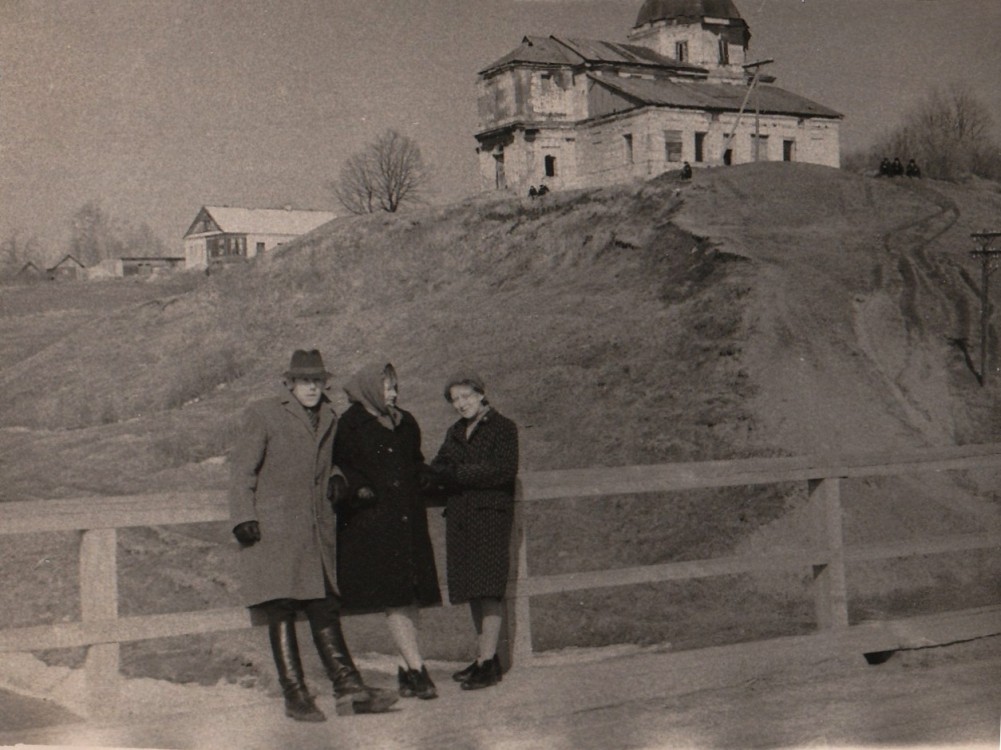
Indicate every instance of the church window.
{"type": "Point", "coordinates": [724, 52]}
{"type": "Point", "coordinates": [759, 147]}
{"type": "Point", "coordinates": [681, 51]}
{"type": "Point", "coordinates": [628, 139]}
{"type": "Point", "coordinates": [550, 166]}
{"type": "Point", "coordinates": [672, 145]}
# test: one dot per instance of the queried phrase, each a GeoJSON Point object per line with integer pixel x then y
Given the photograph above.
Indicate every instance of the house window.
{"type": "Point", "coordinates": [788, 150]}
{"type": "Point", "coordinates": [628, 139]}
{"type": "Point", "coordinates": [759, 147]}
{"type": "Point", "coordinates": [547, 81]}
{"type": "Point", "coordinates": [681, 51]}
{"type": "Point", "coordinates": [724, 52]}
{"type": "Point", "coordinates": [700, 144]}
{"type": "Point", "coordinates": [550, 166]}
{"type": "Point", "coordinates": [672, 145]}
{"type": "Point", "coordinates": [260, 248]}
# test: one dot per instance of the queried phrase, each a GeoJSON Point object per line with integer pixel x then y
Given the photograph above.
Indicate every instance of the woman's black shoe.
{"type": "Point", "coordinates": [464, 674]}
{"type": "Point", "coordinates": [404, 678]}
{"type": "Point", "coordinates": [422, 685]}
{"type": "Point", "coordinates": [484, 675]}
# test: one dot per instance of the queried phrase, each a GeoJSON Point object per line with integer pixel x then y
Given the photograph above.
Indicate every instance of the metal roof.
{"type": "Point", "coordinates": [714, 96]}
{"type": "Point", "coordinates": [689, 11]}
{"type": "Point", "coordinates": [553, 50]}
{"type": "Point", "coordinates": [232, 220]}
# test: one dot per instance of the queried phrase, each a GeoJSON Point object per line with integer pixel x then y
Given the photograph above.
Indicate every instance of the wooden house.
{"type": "Point", "coordinates": [224, 234]}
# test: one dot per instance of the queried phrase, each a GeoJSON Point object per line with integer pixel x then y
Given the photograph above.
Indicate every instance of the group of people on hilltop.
{"type": "Point", "coordinates": [896, 168]}
{"type": "Point", "coordinates": [330, 514]}
{"type": "Point", "coordinates": [538, 192]}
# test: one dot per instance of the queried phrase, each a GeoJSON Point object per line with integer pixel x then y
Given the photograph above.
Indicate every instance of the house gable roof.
{"type": "Point", "coordinates": [553, 50]}
{"type": "Point", "coordinates": [68, 260]}
{"type": "Point", "coordinates": [704, 95]}
{"type": "Point", "coordinates": [278, 221]}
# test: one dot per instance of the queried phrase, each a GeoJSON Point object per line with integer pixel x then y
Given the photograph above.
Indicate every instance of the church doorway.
{"type": "Point", "coordinates": [499, 177]}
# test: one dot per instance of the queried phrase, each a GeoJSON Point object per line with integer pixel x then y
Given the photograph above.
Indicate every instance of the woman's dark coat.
{"type": "Point", "coordinates": [279, 470]}
{"type": "Point", "coordinates": [479, 515]}
{"type": "Point", "coordinates": [384, 552]}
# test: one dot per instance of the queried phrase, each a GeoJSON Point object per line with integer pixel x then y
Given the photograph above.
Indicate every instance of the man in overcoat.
{"type": "Point", "coordinates": [280, 503]}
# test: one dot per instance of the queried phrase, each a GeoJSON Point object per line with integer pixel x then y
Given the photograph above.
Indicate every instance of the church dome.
{"type": "Point", "coordinates": [686, 11]}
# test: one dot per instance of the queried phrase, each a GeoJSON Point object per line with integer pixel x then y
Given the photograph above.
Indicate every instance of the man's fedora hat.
{"type": "Point", "coordinates": [306, 365]}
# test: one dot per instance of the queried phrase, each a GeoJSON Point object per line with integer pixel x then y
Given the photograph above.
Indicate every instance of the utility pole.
{"type": "Point", "coordinates": [988, 264]}
{"type": "Point", "coordinates": [757, 66]}
{"type": "Point", "coordinates": [751, 89]}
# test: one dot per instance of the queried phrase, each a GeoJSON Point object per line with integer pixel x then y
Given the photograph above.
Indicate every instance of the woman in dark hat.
{"type": "Point", "coordinates": [477, 466]}
{"type": "Point", "coordinates": [385, 559]}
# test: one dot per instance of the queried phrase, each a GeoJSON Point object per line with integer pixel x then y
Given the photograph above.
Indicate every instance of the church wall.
{"type": "Point", "coordinates": [531, 94]}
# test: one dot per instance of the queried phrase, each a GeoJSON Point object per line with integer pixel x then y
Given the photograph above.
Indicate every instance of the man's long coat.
{"type": "Point", "coordinates": [279, 470]}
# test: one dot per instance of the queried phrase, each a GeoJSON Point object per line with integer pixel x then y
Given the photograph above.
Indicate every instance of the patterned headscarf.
{"type": "Point", "coordinates": [366, 388]}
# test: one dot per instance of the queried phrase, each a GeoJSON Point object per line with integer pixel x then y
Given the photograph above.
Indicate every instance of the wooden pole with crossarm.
{"type": "Point", "coordinates": [988, 256]}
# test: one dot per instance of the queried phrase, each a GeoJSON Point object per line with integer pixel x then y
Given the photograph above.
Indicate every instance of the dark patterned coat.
{"type": "Point", "coordinates": [480, 513]}
{"type": "Point", "coordinates": [279, 470]}
{"type": "Point", "coordinates": [384, 553]}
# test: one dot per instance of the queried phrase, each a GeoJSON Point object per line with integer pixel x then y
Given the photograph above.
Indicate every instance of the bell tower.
{"type": "Point", "coordinates": [708, 33]}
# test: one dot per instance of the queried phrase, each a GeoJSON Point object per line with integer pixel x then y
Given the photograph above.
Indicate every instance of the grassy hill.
{"type": "Point", "coordinates": [769, 309]}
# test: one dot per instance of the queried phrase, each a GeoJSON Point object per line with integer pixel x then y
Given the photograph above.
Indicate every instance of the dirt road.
{"type": "Point", "coordinates": [731, 697]}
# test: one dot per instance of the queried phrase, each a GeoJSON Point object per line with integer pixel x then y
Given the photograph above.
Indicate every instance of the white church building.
{"type": "Point", "coordinates": [572, 113]}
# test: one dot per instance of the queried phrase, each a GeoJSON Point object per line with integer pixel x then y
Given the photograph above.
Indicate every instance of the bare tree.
{"type": "Point", "coordinates": [387, 174]}
{"type": "Point", "coordinates": [93, 235]}
{"type": "Point", "coordinates": [17, 250]}
{"type": "Point", "coordinates": [948, 133]}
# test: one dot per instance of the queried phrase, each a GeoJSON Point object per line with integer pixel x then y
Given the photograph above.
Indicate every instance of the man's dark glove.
{"type": "Point", "coordinates": [337, 490]}
{"type": "Point", "coordinates": [247, 533]}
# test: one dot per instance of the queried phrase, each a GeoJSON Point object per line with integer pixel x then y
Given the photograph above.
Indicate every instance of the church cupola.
{"type": "Point", "coordinates": [708, 33]}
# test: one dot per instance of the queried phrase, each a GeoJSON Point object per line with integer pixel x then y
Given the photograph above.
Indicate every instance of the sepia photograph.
{"type": "Point", "coordinates": [500, 374]}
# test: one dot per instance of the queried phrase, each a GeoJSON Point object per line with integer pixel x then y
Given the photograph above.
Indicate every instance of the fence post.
{"type": "Point", "coordinates": [516, 639]}
{"type": "Point", "coordinates": [831, 591]}
{"type": "Point", "coordinates": [99, 601]}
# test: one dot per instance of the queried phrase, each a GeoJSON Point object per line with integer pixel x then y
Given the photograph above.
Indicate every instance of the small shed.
{"type": "Point", "coordinates": [29, 271]}
{"type": "Point", "coordinates": [147, 266]}
{"type": "Point", "coordinates": [68, 268]}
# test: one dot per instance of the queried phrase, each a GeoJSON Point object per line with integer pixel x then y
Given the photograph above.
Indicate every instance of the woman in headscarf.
{"type": "Point", "coordinates": [477, 466]}
{"type": "Point", "coordinates": [385, 561]}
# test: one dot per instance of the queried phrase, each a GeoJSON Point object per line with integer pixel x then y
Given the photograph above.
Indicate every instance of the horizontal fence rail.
{"type": "Point", "coordinates": [101, 629]}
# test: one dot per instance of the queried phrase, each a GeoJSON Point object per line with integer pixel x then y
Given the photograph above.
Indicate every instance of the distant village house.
{"type": "Point", "coordinates": [223, 234]}
{"type": "Point", "coordinates": [571, 113]}
{"type": "Point", "coordinates": [68, 268]}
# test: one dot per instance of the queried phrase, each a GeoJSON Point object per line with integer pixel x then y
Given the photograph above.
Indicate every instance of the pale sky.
{"type": "Point", "coordinates": [157, 107]}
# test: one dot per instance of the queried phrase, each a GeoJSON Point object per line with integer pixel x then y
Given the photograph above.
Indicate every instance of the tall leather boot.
{"type": "Point", "coordinates": [353, 696]}
{"type": "Point", "coordinates": [299, 704]}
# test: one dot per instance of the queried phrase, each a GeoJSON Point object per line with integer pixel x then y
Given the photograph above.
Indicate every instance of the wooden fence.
{"type": "Point", "coordinates": [101, 629]}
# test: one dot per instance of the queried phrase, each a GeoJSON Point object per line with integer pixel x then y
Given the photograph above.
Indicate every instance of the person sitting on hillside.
{"type": "Point", "coordinates": [885, 168]}
{"type": "Point", "coordinates": [543, 189]}
{"type": "Point", "coordinates": [532, 192]}
{"type": "Point", "coordinates": [897, 168]}
{"type": "Point", "coordinates": [280, 475]}
{"type": "Point", "coordinates": [686, 171]}
{"type": "Point", "coordinates": [912, 169]}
